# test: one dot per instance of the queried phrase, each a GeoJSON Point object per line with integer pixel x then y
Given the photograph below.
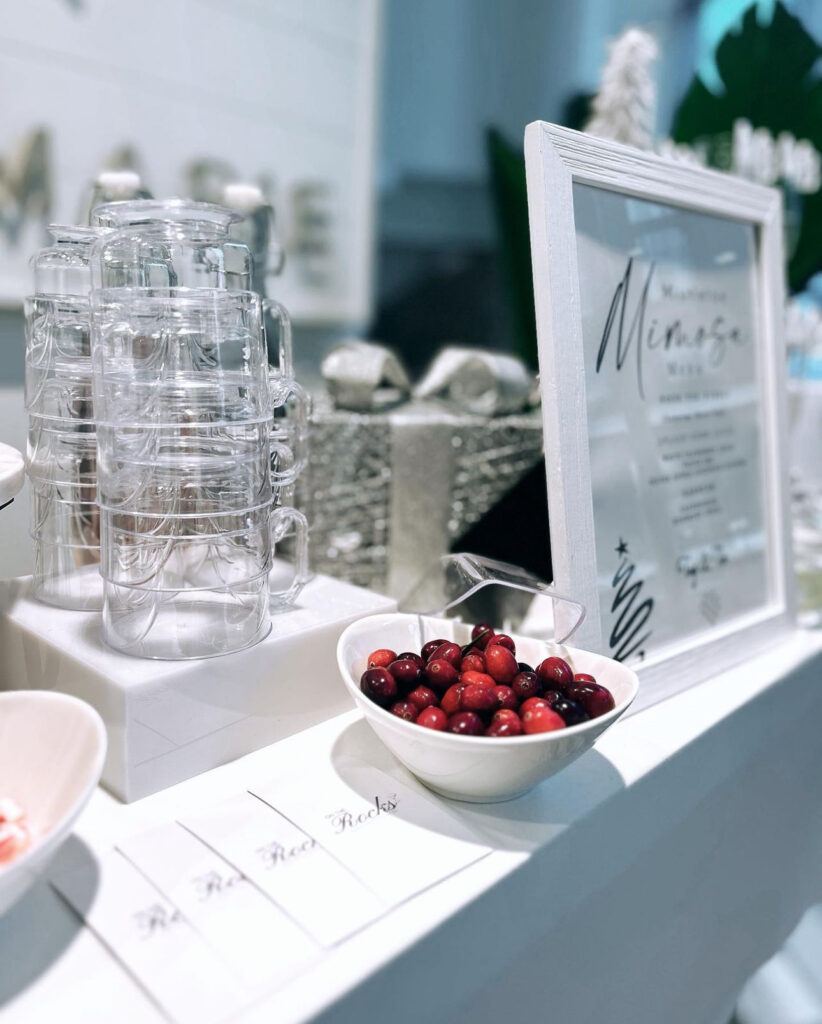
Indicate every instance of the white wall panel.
{"type": "Point", "coordinates": [281, 90]}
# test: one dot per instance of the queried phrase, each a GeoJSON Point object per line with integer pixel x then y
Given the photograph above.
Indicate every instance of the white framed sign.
{"type": "Point", "coordinates": [659, 299]}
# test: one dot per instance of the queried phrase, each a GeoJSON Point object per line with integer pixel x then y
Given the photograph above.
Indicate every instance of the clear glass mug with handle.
{"type": "Point", "coordinates": [184, 405]}
{"type": "Point", "coordinates": [288, 449]}
{"type": "Point", "coordinates": [179, 242]}
{"type": "Point", "coordinates": [168, 243]}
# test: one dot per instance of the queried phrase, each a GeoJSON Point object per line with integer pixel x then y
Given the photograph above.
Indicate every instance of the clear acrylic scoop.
{"type": "Point", "coordinates": [460, 586]}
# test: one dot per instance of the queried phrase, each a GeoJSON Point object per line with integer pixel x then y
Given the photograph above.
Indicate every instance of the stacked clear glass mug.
{"type": "Point", "coordinates": [62, 444]}
{"type": "Point", "coordinates": [185, 403]}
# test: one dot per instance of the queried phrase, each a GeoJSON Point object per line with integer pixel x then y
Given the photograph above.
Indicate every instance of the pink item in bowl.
{"type": "Point", "coordinates": [15, 836]}
{"type": "Point", "coordinates": [52, 748]}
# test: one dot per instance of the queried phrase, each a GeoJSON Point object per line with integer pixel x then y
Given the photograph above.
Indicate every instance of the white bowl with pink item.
{"type": "Point", "coordinates": [52, 748]}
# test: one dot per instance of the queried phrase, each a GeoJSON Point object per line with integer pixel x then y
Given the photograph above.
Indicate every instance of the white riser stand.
{"type": "Point", "coordinates": [168, 721]}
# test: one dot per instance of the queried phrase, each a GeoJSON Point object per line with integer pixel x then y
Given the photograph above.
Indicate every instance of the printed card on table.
{"type": "Point", "coordinates": [150, 936]}
{"type": "Point", "coordinates": [239, 922]}
{"type": "Point", "coordinates": [397, 840]}
{"type": "Point", "coordinates": [316, 890]}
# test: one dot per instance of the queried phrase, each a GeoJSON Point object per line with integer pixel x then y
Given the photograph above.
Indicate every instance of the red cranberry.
{"type": "Point", "coordinates": [422, 698]}
{"type": "Point", "coordinates": [603, 702]}
{"type": "Point", "coordinates": [481, 634]}
{"type": "Point", "coordinates": [450, 702]}
{"type": "Point", "coordinates": [506, 715]}
{"type": "Point", "coordinates": [406, 672]}
{"type": "Point", "coordinates": [477, 679]}
{"type": "Point", "coordinates": [473, 662]}
{"type": "Point", "coordinates": [466, 723]}
{"type": "Point", "coordinates": [571, 712]}
{"type": "Point", "coordinates": [555, 673]}
{"type": "Point", "coordinates": [501, 663]}
{"type": "Point", "coordinates": [506, 698]}
{"type": "Point", "coordinates": [576, 691]}
{"type": "Point", "coordinates": [405, 709]}
{"type": "Point", "coordinates": [410, 656]}
{"type": "Point", "coordinates": [600, 702]}
{"type": "Point", "coordinates": [448, 652]}
{"type": "Point", "coordinates": [440, 674]}
{"type": "Point", "coordinates": [526, 684]}
{"type": "Point", "coordinates": [541, 720]}
{"type": "Point", "coordinates": [429, 648]}
{"type": "Point", "coordinates": [476, 697]}
{"type": "Point", "coordinates": [504, 729]}
{"type": "Point", "coordinates": [381, 658]}
{"type": "Point", "coordinates": [552, 696]}
{"type": "Point", "coordinates": [433, 718]}
{"type": "Point", "coordinates": [533, 702]}
{"type": "Point", "coordinates": [596, 699]}
{"type": "Point", "coordinates": [583, 677]}
{"type": "Point", "coordinates": [379, 685]}
{"type": "Point", "coordinates": [503, 640]}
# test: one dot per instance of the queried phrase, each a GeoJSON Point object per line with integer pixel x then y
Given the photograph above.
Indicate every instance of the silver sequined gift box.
{"type": "Point", "coordinates": [388, 492]}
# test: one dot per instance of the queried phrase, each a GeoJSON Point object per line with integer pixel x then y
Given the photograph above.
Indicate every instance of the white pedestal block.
{"type": "Point", "coordinates": [168, 721]}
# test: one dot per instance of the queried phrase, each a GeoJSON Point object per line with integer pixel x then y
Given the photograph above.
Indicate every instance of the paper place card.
{"type": "Point", "coordinates": [242, 925]}
{"type": "Point", "coordinates": [398, 841]}
{"type": "Point", "coordinates": [316, 891]}
{"type": "Point", "coordinates": [151, 938]}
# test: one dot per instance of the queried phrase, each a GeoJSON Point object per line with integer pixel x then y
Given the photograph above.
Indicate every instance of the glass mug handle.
{"type": "Point", "coordinates": [281, 518]}
{"type": "Point", "coordinates": [275, 261]}
{"type": "Point", "coordinates": [286, 367]}
{"type": "Point", "coordinates": [291, 446]}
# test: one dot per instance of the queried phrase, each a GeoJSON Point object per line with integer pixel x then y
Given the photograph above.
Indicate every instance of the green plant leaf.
{"type": "Point", "coordinates": [807, 258]}
{"type": "Point", "coordinates": [767, 73]}
{"type": "Point", "coordinates": [700, 113]}
{"type": "Point", "coordinates": [764, 68]}
{"type": "Point", "coordinates": [511, 210]}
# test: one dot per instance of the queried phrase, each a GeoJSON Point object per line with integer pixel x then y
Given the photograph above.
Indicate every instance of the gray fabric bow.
{"type": "Point", "coordinates": [367, 377]}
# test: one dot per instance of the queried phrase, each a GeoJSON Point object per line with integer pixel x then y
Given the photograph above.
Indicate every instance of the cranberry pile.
{"type": "Point", "coordinates": [481, 689]}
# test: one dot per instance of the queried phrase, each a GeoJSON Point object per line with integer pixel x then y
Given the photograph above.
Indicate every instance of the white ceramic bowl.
{"type": "Point", "coordinates": [475, 768]}
{"type": "Point", "coordinates": [52, 748]}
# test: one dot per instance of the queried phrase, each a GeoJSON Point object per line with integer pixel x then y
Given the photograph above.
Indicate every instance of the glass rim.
{"type": "Point", "coordinates": [181, 295]}
{"type": "Point", "coordinates": [63, 298]}
{"type": "Point", "coordinates": [262, 510]}
{"type": "Point", "coordinates": [186, 593]}
{"type": "Point", "coordinates": [46, 486]}
{"type": "Point", "coordinates": [36, 534]}
{"type": "Point", "coordinates": [140, 212]}
{"type": "Point", "coordinates": [73, 233]}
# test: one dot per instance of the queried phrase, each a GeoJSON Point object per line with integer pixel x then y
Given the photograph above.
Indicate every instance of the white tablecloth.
{"type": "Point", "coordinates": [644, 884]}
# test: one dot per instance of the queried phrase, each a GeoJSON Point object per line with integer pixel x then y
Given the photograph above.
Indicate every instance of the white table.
{"type": "Point", "coordinates": [644, 884]}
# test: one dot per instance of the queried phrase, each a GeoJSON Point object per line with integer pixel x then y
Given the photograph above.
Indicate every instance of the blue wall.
{"type": "Point", "coordinates": [453, 67]}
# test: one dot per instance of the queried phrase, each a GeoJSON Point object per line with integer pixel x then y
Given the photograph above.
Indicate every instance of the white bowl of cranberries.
{"type": "Point", "coordinates": [475, 714]}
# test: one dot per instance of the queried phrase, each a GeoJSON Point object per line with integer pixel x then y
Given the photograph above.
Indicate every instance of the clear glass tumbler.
{"type": "Point", "coordinates": [62, 446]}
{"type": "Point", "coordinates": [184, 410]}
{"type": "Point", "coordinates": [63, 268]}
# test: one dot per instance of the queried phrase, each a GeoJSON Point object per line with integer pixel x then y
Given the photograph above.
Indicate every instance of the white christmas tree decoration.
{"type": "Point", "coordinates": [696, 156]}
{"type": "Point", "coordinates": [761, 157]}
{"type": "Point", "coordinates": [624, 109]}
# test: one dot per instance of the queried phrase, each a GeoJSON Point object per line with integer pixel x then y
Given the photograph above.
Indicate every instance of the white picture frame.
{"type": "Point", "coordinates": [558, 161]}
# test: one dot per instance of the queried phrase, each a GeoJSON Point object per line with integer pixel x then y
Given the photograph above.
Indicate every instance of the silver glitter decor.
{"type": "Point", "coordinates": [385, 493]}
